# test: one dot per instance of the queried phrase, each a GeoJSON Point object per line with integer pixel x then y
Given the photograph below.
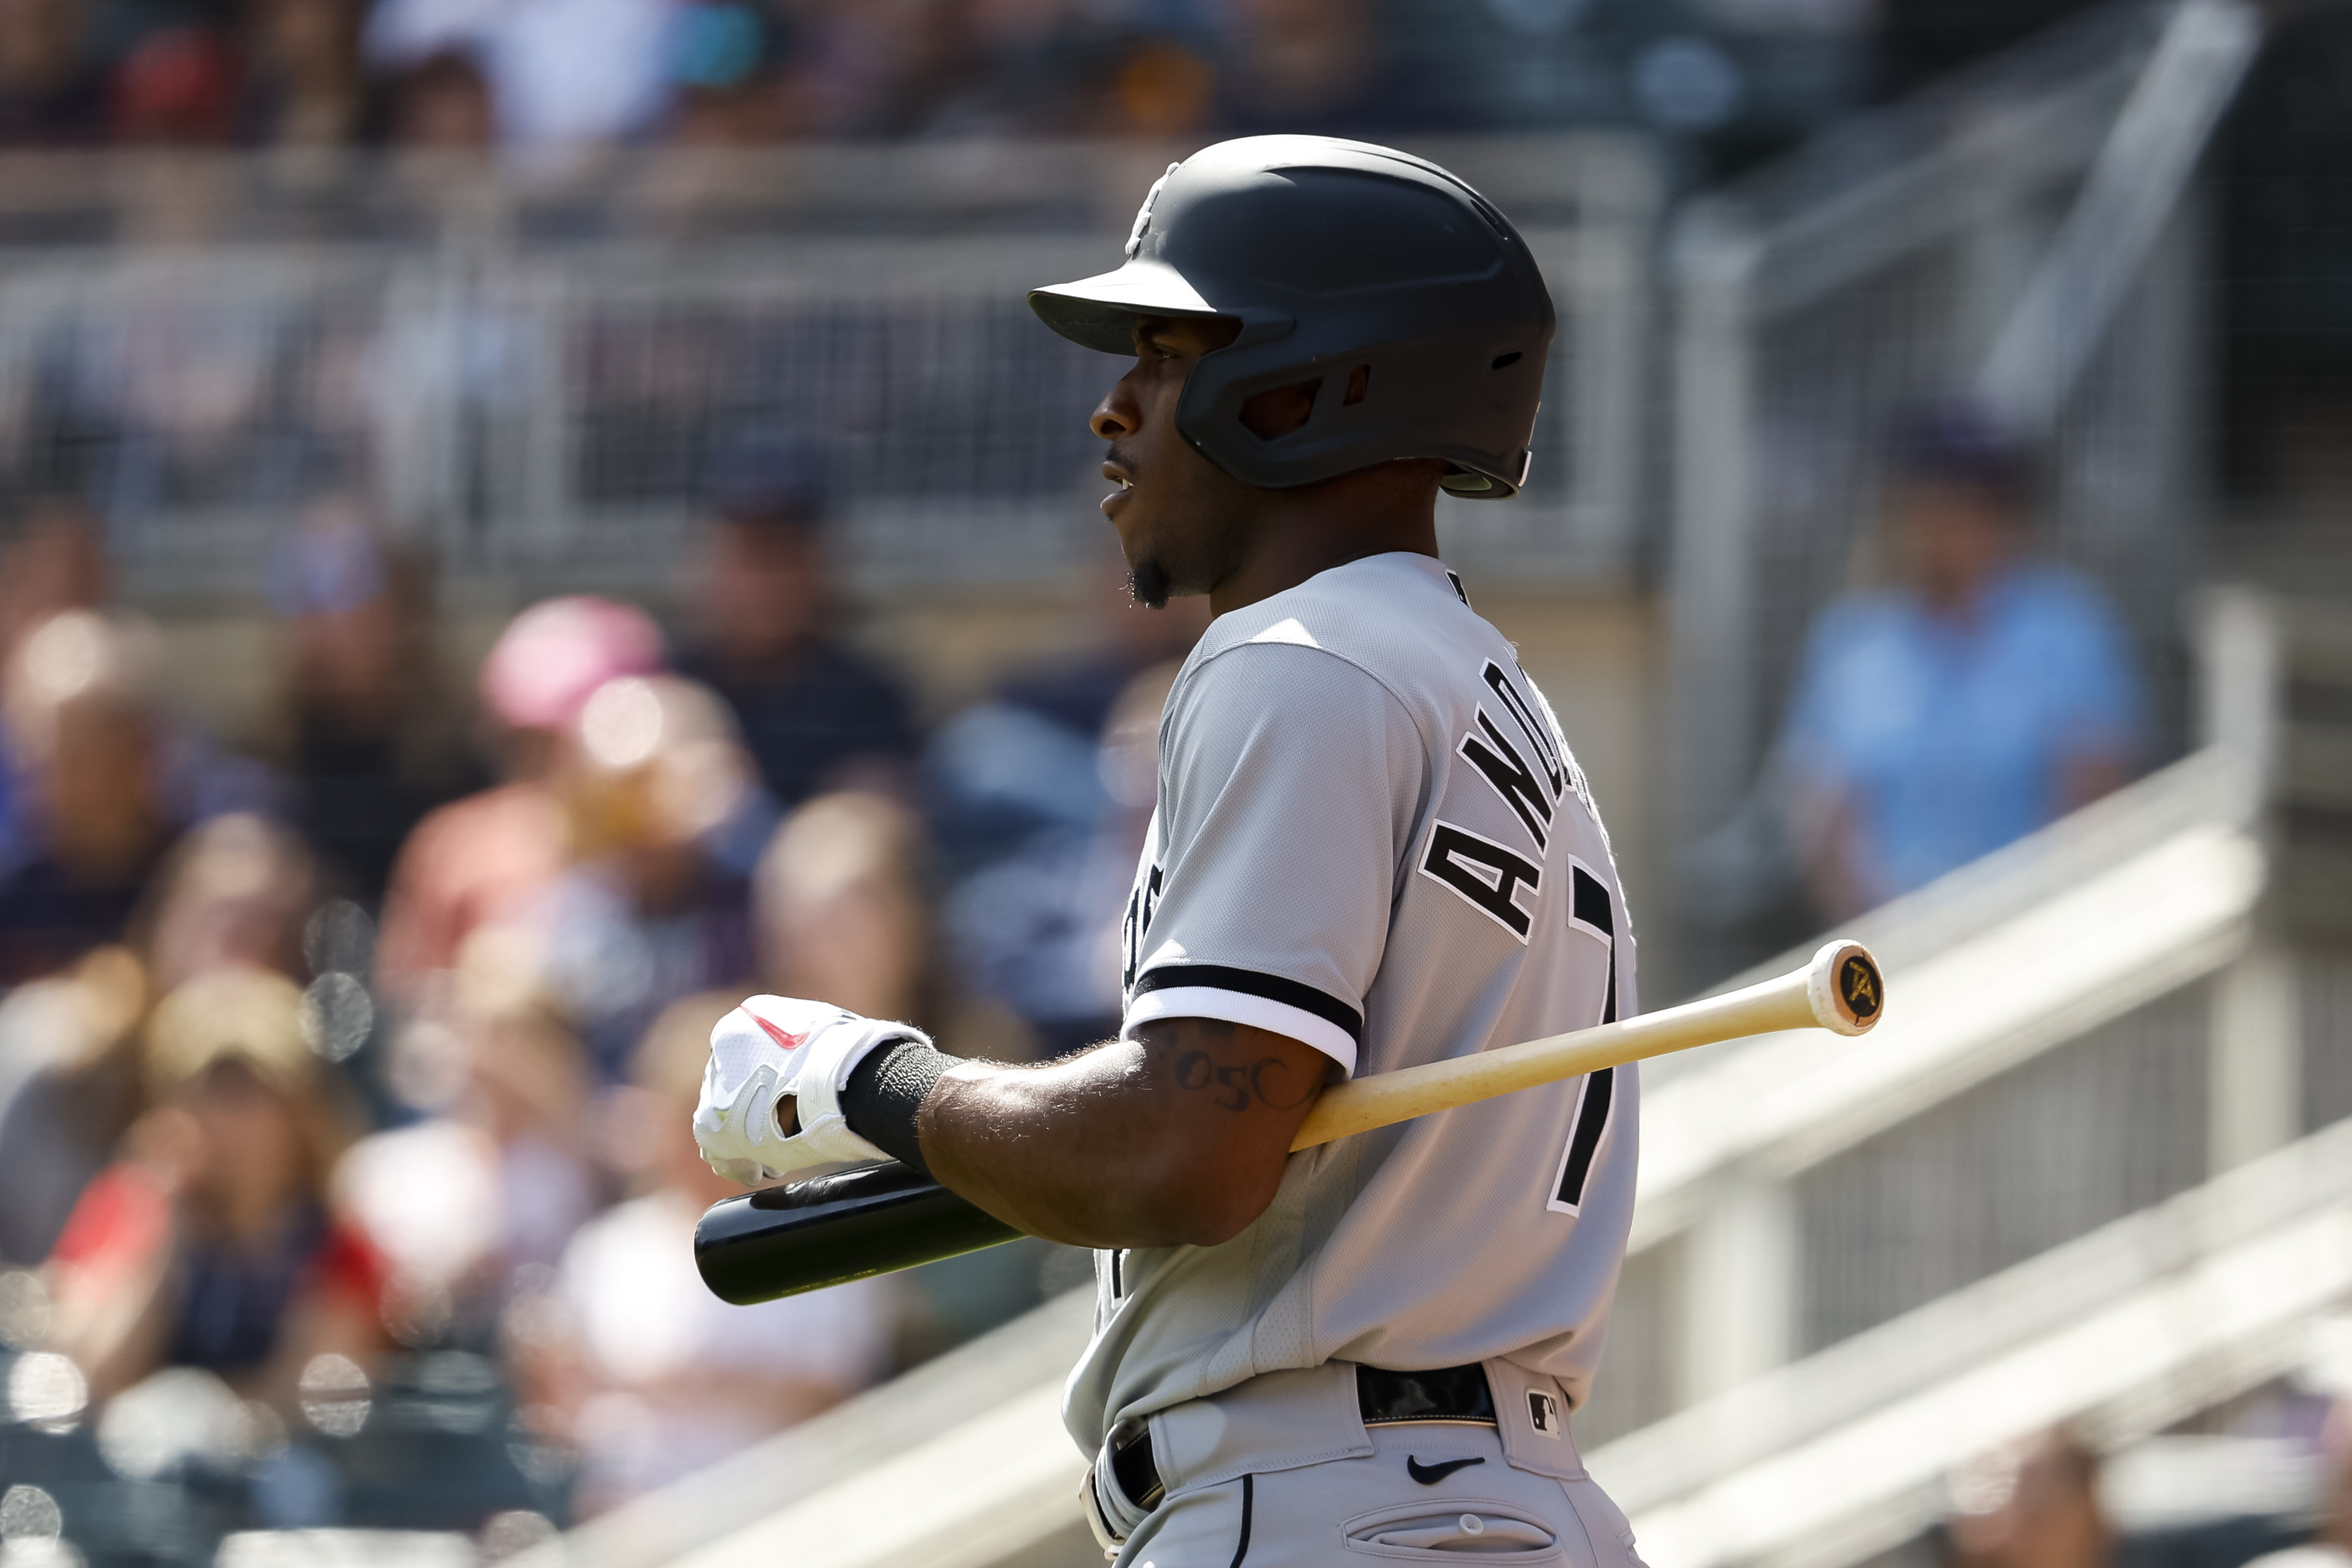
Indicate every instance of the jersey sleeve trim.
{"type": "Point", "coordinates": [1246, 996]}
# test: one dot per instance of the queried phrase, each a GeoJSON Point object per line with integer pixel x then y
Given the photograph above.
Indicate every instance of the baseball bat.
{"type": "Point", "coordinates": [875, 1219]}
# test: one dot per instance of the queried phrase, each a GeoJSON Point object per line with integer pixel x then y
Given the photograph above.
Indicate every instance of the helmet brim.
{"type": "Point", "coordinates": [1100, 311]}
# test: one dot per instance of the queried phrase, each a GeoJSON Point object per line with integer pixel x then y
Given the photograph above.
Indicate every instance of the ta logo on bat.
{"type": "Point", "coordinates": [1543, 1412]}
{"type": "Point", "coordinates": [1858, 983]}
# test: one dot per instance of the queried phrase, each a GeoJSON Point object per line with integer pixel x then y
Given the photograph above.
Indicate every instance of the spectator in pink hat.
{"type": "Point", "coordinates": [485, 856]}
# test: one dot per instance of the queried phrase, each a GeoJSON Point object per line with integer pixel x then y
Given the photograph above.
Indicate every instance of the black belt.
{"type": "Point", "coordinates": [1384, 1397]}
{"type": "Point", "coordinates": [1447, 1393]}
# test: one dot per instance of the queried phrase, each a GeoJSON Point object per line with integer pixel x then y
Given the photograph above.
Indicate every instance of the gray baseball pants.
{"type": "Point", "coordinates": [1412, 1491]}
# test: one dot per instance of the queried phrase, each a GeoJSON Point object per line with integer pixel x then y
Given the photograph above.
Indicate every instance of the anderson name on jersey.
{"type": "Point", "coordinates": [1370, 837]}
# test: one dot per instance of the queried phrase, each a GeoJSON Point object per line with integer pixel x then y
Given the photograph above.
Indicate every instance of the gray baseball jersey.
{"type": "Point", "coordinates": [1370, 837]}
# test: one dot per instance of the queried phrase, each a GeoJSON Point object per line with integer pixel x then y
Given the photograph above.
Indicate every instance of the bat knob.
{"type": "Point", "coordinates": [1846, 992]}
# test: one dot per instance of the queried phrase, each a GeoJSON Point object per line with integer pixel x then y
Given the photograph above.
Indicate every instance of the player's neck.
{"type": "Point", "coordinates": [1375, 512]}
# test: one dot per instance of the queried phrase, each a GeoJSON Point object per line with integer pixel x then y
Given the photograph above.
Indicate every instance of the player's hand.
{"type": "Point", "coordinates": [778, 1047]}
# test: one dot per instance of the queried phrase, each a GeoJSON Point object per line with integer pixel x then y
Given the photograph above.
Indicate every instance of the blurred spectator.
{"type": "Point", "coordinates": [442, 104]}
{"type": "Point", "coordinates": [2032, 1505]}
{"type": "Point", "coordinates": [1161, 88]}
{"type": "Point", "coordinates": [51, 92]}
{"type": "Point", "coordinates": [565, 76]}
{"type": "Point", "coordinates": [1041, 795]}
{"type": "Point", "coordinates": [233, 892]}
{"type": "Point", "coordinates": [1039, 927]}
{"type": "Point", "coordinates": [1077, 690]}
{"type": "Point", "coordinates": [1313, 66]}
{"type": "Point", "coordinates": [307, 86]}
{"type": "Point", "coordinates": [57, 563]}
{"type": "Point", "coordinates": [2331, 1543]}
{"type": "Point", "coordinates": [211, 1245]}
{"type": "Point", "coordinates": [866, 67]}
{"type": "Point", "coordinates": [365, 735]}
{"type": "Point", "coordinates": [655, 1376]}
{"type": "Point", "coordinates": [489, 855]}
{"type": "Point", "coordinates": [177, 87]}
{"type": "Point", "coordinates": [723, 72]}
{"type": "Point", "coordinates": [815, 713]}
{"type": "Point", "coordinates": [1064, 68]}
{"type": "Point", "coordinates": [467, 1202]}
{"type": "Point", "coordinates": [69, 1088]}
{"type": "Point", "coordinates": [92, 818]}
{"type": "Point", "coordinates": [841, 912]}
{"type": "Point", "coordinates": [662, 820]}
{"type": "Point", "coordinates": [1987, 697]}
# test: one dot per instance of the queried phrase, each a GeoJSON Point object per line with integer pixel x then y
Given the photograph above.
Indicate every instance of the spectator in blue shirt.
{"type": "Point", "coordinates": [1985, 696]}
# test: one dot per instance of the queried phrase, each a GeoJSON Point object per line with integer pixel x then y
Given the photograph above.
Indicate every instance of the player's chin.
{"type": "Point", "coordinates": [1149, 582]}
{"type": "Point", "coordinates": [1149, 577]}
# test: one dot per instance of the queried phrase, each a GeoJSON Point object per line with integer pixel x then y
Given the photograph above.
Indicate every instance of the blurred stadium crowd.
{"type": "Point", "coordinates": [550, 75]}
{"type": "Point", "coordinates": [352, 1065]}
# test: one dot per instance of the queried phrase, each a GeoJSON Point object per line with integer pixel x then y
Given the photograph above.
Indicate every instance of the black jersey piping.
{"type": "Point", "coordinates": [1249, 982]}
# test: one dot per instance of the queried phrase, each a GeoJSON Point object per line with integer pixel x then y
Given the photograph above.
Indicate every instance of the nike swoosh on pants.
{"type": "Point", "coordinates": [1430, 1475]}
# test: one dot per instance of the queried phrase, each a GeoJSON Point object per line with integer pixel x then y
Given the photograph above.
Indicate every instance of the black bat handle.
{"type": "Point", "coordinates": [867, 1220]}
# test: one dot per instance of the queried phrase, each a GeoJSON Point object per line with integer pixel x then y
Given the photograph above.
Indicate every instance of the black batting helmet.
{"type": "Point", "coordinates": [1334, 255]}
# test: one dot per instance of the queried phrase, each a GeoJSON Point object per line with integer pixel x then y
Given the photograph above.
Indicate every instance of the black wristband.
{"type": "Point", "coordinates": [887, 1090]}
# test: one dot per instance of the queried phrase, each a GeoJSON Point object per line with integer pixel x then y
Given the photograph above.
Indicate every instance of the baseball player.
{"type": "Point", "coordinates": [1371, 849]}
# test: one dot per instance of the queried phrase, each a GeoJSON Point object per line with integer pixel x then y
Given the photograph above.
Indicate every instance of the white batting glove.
{"type": "Point", "coordinates": [776, 1046]}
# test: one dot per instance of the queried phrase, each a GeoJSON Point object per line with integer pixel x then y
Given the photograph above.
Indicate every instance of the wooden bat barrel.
{"type": "Point", "coordinates": [867, 1220]}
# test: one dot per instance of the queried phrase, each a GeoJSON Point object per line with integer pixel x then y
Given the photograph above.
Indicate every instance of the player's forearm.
{"type": "Point", "coordinates": [1177, 1138]}
{"type": "Point", "coordinates": [1053, 1149]}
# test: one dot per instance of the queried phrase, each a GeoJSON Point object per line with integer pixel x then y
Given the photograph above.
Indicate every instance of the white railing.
{"type": "Point", "coordinates": [2124, 1333]}
{"type": "Point", "coordinates": [2106, 971]}
{"type": "Point", "coordinates": [1724, 1148]}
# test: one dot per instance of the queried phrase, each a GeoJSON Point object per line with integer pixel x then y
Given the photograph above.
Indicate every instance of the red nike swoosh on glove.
{"type": "Point", "coordinates": [789, 1042]}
